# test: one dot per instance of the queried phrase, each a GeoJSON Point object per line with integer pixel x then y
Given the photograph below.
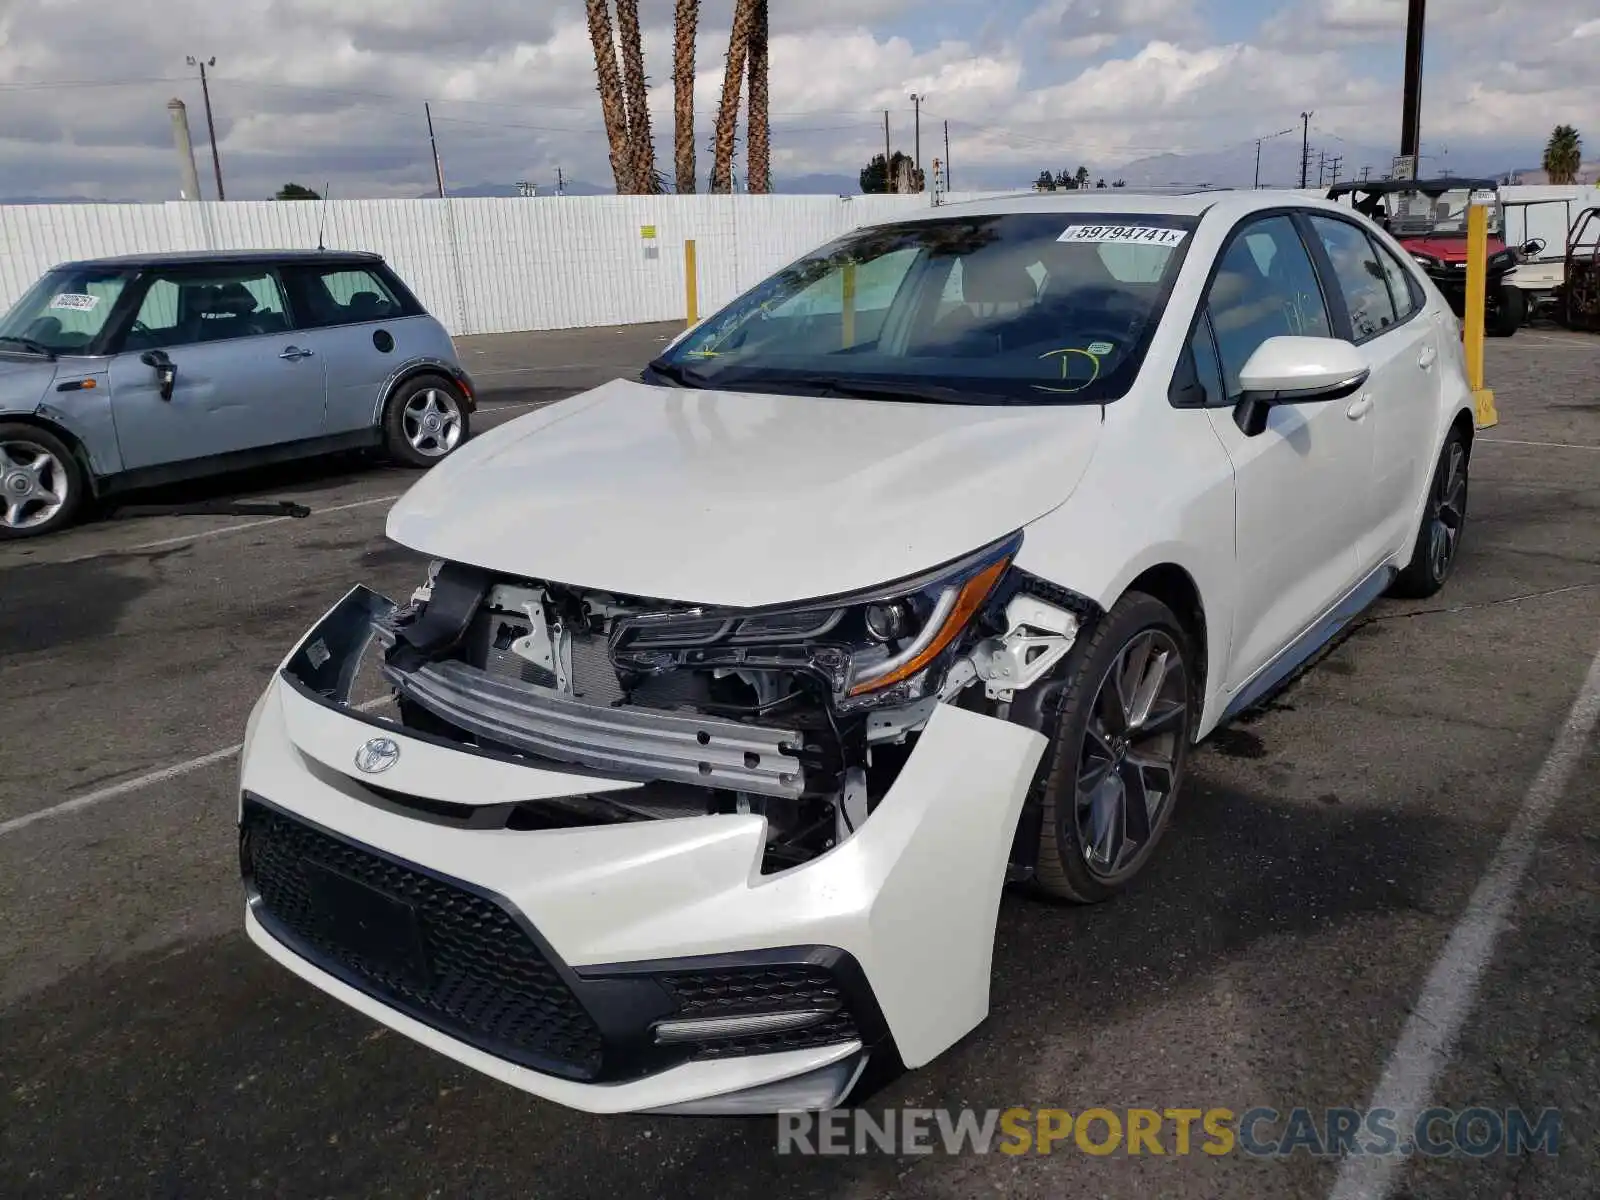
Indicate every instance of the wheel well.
{"type": "Point", "coordinates": [1174, 587]}
{"type": "Point", "coordinates": [1467, 424]}
{"type": "Point", "coordinates": [67, 437]}
{"type": "Point", "coordinates": [417, 372]}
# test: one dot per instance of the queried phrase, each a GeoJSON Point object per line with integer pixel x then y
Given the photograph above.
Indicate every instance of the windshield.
{"type": "Point", "coordinates": [1414, 214]}
{"type": "Point", "coordinates": [65, 311]}
{"type": "Point", "coordinates": [1029, 308]}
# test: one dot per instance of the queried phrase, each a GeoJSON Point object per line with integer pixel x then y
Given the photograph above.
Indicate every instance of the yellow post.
{"type": "Point", "coordinates": [848, 314]}
{"type": "Point", "coordinates": [691, 282]}
{"type": "Point", "coordinates": [1476, 304]}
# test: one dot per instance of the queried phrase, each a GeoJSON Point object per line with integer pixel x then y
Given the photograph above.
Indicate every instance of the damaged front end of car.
{"type": "Point", "coordinates": [803, 714]}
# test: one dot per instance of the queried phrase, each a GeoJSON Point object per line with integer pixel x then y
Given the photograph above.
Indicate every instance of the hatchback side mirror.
{"type": "Point", "coordinates": [166, 372]}
{"type": "Point", "coordinates": [1296, 370]}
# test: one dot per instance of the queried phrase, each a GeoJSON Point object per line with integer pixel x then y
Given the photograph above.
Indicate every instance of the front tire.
{"type": "Point", "coordinates": [425, 421]}
{"type": "Point", "coordinates": [1444, 523]}
{"type": "Point", "coordinates": [1119, 742]}
{"type": "Point", "coordinates": [1509, 314]}
{"type": "Point", "coordinates": [42, 484]}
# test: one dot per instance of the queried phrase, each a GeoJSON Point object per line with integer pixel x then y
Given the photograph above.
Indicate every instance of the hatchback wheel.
{"type": "Point", "coordinates": [1444, 520]}
{"type": "Point", "coordinates": [41, 483]}
{"type": "Point", "coordinates": [1119, 743]}
{"type": "Point", "coordinates": [426, 420]}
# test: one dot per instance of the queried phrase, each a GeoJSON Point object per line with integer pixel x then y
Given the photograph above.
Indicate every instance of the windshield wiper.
{"type": "Point", "coordinates": [679, 376]}
{"type": "Point", "coordinates": [30, 345]}
{"type": "Point", "coordinates": [887, 389]}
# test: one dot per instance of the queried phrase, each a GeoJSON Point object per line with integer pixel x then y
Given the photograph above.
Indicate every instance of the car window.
{"type": "Point", "coordinates": [67, 309]}
{"type": "Point", "coordinates": [1361, 277]}
{"type": "Point", "coordinates": [1264, 287]}
{"type": "Point", "coordinates": [1207, 367]}
{"type": "Point", "coordinates": [183, 307]}
{"type": "Point", "coordinates": [1403, 290]}
{"type": "Point", "coordinates": [346, 296]}
{"type": "Point", "coordinates": [1027, 308]}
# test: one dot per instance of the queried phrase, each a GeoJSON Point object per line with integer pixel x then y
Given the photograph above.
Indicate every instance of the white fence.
{"type": "Point", "coordinates": [503, 265]}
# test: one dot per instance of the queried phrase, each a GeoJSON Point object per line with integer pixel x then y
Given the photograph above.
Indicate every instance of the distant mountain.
{"type": "Point", "coordinates": [64, 200]}
{"type": "Point", "coordinates": [476, 191]}
{"type": "Point", "coordinates": [818, 184]}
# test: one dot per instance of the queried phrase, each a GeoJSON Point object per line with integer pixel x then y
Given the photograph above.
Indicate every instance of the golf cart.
{"type": "Point", "coordinates": [1580, 290]}
{"type": "Point", "coordinates": [1428, 217]}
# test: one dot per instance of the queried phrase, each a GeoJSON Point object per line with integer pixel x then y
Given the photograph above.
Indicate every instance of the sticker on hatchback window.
{"type": "Point", "coordinates": [1140, 235]}
{"type": "Point", "coordinates": [77, 301]}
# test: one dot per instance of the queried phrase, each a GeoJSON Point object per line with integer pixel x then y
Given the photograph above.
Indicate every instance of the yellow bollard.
{"type": "Point", "coordinates": [1476, 305]}
{"type": "Point", "coordinates": [847, 315]}
{"type": "Point", "coordinates": [691, 283]}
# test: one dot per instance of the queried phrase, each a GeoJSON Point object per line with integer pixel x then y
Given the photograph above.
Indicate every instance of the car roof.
{"type": "Point", "coordinates": [173, 258]}
{"type": "Point", "coordinates": [1122, 202]}
{"type": "Point", "coordinates": [1428, 187]}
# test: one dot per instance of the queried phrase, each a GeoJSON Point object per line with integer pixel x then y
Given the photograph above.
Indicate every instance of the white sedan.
{"type": "Point", "coordinates": [736, 694]}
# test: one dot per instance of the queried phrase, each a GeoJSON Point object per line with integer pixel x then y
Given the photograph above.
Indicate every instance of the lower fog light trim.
{"type": "Point", "coordinates": [704, 1029]}
{"type": "Point", "coordinates": [815, 1091]}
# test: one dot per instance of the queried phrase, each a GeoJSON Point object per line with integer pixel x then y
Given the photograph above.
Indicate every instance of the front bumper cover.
{"type": "Point", "coordinates": [902, 911]}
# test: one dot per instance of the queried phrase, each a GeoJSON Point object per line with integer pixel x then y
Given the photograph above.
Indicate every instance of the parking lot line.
{"type": "Point", "coordinates": [1430, 1032]}
{"type": "Point", "coordinates": [1550, 445]}
{"type": "Point", "coordinates": [78, 803]}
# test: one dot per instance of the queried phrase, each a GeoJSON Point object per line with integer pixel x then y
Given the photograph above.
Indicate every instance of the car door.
{"type": "Point", "coordinates": [241, 379]}
{"type": "Point", "coordinates": [364, 330]}
{"type": "Point", "coordinates": [1301, 485]}
{"type": "Point", "coordinates": [1379, 311]}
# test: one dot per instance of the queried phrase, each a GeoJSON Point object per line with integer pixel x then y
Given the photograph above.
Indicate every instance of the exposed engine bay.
{"type": "Point", "coordinates": [803, 715]}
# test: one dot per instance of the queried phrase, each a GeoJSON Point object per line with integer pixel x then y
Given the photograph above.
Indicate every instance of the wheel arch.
{"type": "Point", "coordinates": [71, 440]}
{"type": "Point", "coordinates": [416, 368]}
{"type": "Point", "coordinates": [1176, 588]}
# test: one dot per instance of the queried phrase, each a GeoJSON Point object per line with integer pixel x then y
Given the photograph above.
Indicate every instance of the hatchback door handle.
{"type": "Point", "coordinates": [1426, 359]}
{"type": "Point", "coordinates": [1360, 407]}
{"type": "Point", "coordinates": [294, 353]}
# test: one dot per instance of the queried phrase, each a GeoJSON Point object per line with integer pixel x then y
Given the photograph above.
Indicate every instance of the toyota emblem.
{"type": "Point", "coordinates": [377, 756]}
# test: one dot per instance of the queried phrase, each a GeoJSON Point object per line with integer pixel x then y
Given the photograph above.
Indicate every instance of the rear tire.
{"type": "Point", "coordinates": [42, 483]}
{"type": "Point", "coordinates": [425, 421]}
{"type": "Point", "coordinates": [1509, 314]}
{"type": "Point", "coordinates": [1444, 523]}
{"type": "Point", "coordinates": [1119, 726]}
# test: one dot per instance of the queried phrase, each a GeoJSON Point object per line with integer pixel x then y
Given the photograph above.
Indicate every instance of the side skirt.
{"type": "Point", "coordinates": [1308, 644]}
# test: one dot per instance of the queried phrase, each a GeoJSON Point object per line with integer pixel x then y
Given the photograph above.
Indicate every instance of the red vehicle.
{"type": "Point", "coordinates": [1428, 217]}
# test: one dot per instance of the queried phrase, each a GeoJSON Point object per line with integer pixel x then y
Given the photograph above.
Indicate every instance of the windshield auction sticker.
{"type": "Point", "coordinates": [77, 301]}
{"type": "Point", "coordinates": [1144, 235]}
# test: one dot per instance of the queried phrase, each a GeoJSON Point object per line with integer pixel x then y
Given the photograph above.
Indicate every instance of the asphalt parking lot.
{"type": "Point", "coordinates": [1331, 851]}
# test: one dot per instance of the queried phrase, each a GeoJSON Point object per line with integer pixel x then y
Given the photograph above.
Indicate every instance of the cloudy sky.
{"type": "Point", "coordinates": [315, 90]}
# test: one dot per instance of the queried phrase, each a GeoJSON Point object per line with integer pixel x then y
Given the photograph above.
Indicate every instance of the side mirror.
{"type": "Point", "coordinates": [1533, 247]}
{"type": "Point", "coordinates": [166, 372]}
{"type": "Point", "coordinates": [1296, 370]}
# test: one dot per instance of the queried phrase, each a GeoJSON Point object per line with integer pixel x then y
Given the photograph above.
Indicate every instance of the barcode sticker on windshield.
{"type": "Point", "coordinates": [1144, 235]}
{"type": "Point", "coordinates": [77, 301]}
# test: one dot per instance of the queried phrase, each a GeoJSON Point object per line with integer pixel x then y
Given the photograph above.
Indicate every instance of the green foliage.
{"type": "Point", "coordinates": [295, 191]}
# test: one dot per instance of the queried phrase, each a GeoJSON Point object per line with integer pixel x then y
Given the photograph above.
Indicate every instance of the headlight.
{"type": "Point", "coordinates": [883, 646]}
{"type": "Point", "coordinates": [1422, 260]}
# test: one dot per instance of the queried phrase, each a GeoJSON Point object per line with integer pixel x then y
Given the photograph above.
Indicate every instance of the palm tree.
{"type": "Point", "coordinates": [728, 111]}
{"type": "Point", "coordinates": [686, 21]}
{"type": "Point", "coordinates": [610, 84]}
{"type": "Point", "coordinates": [1563, 155]}
{"type": "Point", "coordinates": [760, 169]}
{"type": "Point", "coordinates": [641, 147]}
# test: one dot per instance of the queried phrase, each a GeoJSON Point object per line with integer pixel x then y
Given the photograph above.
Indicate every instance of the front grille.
{"type": "Point", "coordinates": [478, 977]}
{"type": "Point", "coordinates": [778, 988]}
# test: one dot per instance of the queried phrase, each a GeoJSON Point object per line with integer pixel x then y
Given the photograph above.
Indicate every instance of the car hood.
{"type": "Point", "coordinates": [23, 382]}
{"type": "Point", "coordinates": [740, 499]}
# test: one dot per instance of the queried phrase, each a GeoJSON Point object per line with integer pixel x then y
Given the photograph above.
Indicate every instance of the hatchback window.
{"type": "Point", "coordinates": [1265, 287]}
{"type": "Point", "coordinates": [183, 307]}
{"type": "Point", "coordinates": [345, 296]}
{"type": "Point", "coordinates": [1030, 308]}
{"type": "Point", "coordinates": [1403, 289]}
{"type": "Point", "coordinates": [1360, 274]}
{"type": "Point", "coordinates": [65, 311]}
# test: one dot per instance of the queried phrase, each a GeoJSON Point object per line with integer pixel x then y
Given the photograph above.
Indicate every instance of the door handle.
{"type": "Point", "coordinates": [294, 354]}
{"type": "Point", "coordinates": [1426, 359]}
{"type": "Point", "coordinates": [1359, 407]}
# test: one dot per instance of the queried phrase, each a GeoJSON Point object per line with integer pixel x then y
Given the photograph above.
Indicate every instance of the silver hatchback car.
{"type": "Point", "coordinates": [122, 373]}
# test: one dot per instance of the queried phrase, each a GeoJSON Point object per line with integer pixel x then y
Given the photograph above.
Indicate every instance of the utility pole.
{"type": "Point", "coordinates": [1411, 110]}
{"type": "Point", "coordinates": [947, 156]}
{"type": "Point", "coordinates": [438, 167]}
{"type": "Point", "coordinates": [1333, 168]}
{"type": "Point", "coordinates": [916, 157]}
{"type": "Point", "coordinates": [1366, 173]}
{"type": "Point", "coordinates": [1259, 140]}
{"type": "Point", "coordinates": [211, 127]}
{"type": "Point", "coordinates": [1305, 146]}
{"type": "Point", "coordinates": [888, 175]}
{"type": "Point", "coordinates": [180, 137]}
{"type": "Point", "coordinates": [561, 183]}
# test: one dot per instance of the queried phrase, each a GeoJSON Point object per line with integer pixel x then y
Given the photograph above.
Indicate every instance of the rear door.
{"type": "Point", "coordinates": [1381, 310]}
{"type": "Point", "coordinates": [364, 330]}
{"type": "Point", "coordinates": [1301, 486]}
{"type": "Point", "coordinates": [243, 381]}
